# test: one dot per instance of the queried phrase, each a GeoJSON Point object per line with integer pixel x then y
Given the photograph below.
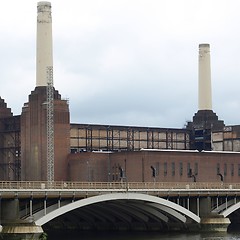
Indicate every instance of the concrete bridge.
{"type": "Point", "coordinates": [30, 207]}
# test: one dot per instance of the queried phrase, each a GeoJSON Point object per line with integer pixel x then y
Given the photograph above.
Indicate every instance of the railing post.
{"type": "Point", "coordinates": [59, 202]}
{"type": "Point", "coordinates": [198, 206]}
{"type": "Point", "coordinates": [31, 207]}
{"type": "Point", "coordinates": [45, 206]}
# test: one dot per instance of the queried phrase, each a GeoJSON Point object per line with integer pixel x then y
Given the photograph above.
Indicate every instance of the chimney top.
{"type": "Point", "coordinates": [44, 3]}
{"type": "Point", "coordinates": [44, 7]}
{"type": "Point", "coordinates": [204, 45]}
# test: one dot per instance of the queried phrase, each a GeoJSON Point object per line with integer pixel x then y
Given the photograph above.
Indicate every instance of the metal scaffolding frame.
{"type": "Point", "coordinates": [87, 137]}
{"type": "Point", "coordinates": [10, 148]}
{"type": "Point", "coordinates": [50, 125]}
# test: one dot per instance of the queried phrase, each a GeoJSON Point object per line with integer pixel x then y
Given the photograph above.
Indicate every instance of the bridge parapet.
{"type": "Point", "coordinates": [117, 185]}
{"type": "Point", "coordinates": [83, 189]}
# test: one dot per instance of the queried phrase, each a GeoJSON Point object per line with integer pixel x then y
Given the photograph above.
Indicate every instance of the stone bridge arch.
{"type": "Point", "coordinates": [140, 206]}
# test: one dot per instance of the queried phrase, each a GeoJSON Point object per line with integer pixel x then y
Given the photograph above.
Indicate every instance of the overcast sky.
{"type": "Point", "coordinates": [126, 62]}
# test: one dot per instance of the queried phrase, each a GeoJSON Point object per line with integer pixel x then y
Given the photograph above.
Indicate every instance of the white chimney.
{"type": "Point", "coordinates": [204, 78]}
{"type": "Point", "coordinates": [44, 42]}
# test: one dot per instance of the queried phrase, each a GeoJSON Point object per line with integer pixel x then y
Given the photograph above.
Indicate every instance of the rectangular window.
{"type": "Point", "coordinates": [196, 169]}
{"type": "Point", "coordinates": [238, 169]}
{"type": "Point", "coordinates": [157, 168]}
{"type": "Point", "coordinates": [173, 168]}
{"type": "Point", "coordinates": [165, 169]}
{"type": "Point", "coordinates": [232, 169]}
{"type": "Point", "coordinates": [225, 169]}
{"type": "Point", "coordinates": [189, 170]}
{"type": "Point", "coordinates": [181, 168]}
{"type": "Point", "coordinates": [218, 168]}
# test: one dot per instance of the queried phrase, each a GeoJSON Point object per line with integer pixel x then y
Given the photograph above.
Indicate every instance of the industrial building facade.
{"type": "Point", "coordinates": [205, 150]}
{"type": "Point", "coordinates": [155, 166]}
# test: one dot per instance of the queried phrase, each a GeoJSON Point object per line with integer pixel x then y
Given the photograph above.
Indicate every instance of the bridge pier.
{"type": "Point", "coordinates": [13, 228]}
{"type": "Point", "coordinates": [214, 224]}
{"type": "Point", "coordinates": [211, 222]}
{"type": "Point", "coordinates": [21, 231]}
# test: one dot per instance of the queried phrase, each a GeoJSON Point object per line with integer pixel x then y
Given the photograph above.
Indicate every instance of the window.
{"type": "Point", "coordinates": [238, 169]}
{"type": "Point", "coordinates": [196, 169]}
{"type": "Point", "coordinates": [189, 170]}
{"type": "Point", "coordinates": [173, 168]}
{"type": "Point", "coordinates": [225, 169]}
{"type": "Point", "coordinates": [165, 169]}
{"type": "Point", "coordinates": [218, 168]}
{"type": "Point", "coordinates": [157, 168]}
{"type": "Point", "coordinates": [232, 169]}
{"type": "Point", "coordinates": [181, 168]}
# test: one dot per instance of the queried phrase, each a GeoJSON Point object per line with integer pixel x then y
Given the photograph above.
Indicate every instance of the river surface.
{"type": "Point", "coordinates": [142, 236]}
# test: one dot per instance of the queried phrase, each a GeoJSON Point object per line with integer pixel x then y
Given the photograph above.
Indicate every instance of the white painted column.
{"type": "Point", "coordinates": [204, 78]}
{"type": "Point", "coordinates": [44, 42]}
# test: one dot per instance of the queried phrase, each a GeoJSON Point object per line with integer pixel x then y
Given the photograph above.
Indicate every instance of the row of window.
{"type": "Point", "coordinates": [170, 169]}
{"type": "Point", "coordinates": [190, 171]}
{"type": "Point", "coordinates": [224, 171]}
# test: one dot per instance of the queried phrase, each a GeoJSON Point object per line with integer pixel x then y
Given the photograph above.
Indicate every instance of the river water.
{"type": "Point", "coordinates": [142, 236]}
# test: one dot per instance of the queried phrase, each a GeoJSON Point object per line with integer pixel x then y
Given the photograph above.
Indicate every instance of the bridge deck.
{"type": "Point", "coordinates": [86, 189]}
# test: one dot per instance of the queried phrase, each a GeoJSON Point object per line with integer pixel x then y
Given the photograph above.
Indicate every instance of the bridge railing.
{"type": "Point", "coordinates": [116, 185]}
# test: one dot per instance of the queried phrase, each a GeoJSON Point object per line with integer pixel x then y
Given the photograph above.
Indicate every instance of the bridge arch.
{"type": "Point", "coordinates": [219, 209]}
{"type": "Point", "coordinates": [231, 209]}
{"type": "Point", "coordinates": [169, 207]}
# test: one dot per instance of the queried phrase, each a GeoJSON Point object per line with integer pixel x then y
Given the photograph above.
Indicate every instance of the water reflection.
{"type": "Point", "coordinates": [142, 236]}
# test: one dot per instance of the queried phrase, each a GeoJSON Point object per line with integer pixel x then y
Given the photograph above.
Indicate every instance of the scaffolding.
{"type": "Point", "coordinates": [10, 149]}
{"type": "Point", "coordinates": [50, 125]}
{"type": "Point", "coordinates": [89, 137]}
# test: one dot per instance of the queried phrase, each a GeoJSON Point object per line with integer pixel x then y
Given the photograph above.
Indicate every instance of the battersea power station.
{"type": "Point", "coordinates": [41, 144]}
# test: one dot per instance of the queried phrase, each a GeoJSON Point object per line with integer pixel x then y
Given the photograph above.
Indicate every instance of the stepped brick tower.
{"type": "Point", "coordinates": [10, 152]}
{"type": "Point", "coordinates": [34, 113]}
{"type": "Point", "coordinates": [4, 110]}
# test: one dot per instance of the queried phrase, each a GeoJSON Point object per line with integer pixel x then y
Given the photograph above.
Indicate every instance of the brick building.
{"type": "Point", "coordinates": [205, 150]}
{"type": "Point", "coordinates": [155, 165]}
